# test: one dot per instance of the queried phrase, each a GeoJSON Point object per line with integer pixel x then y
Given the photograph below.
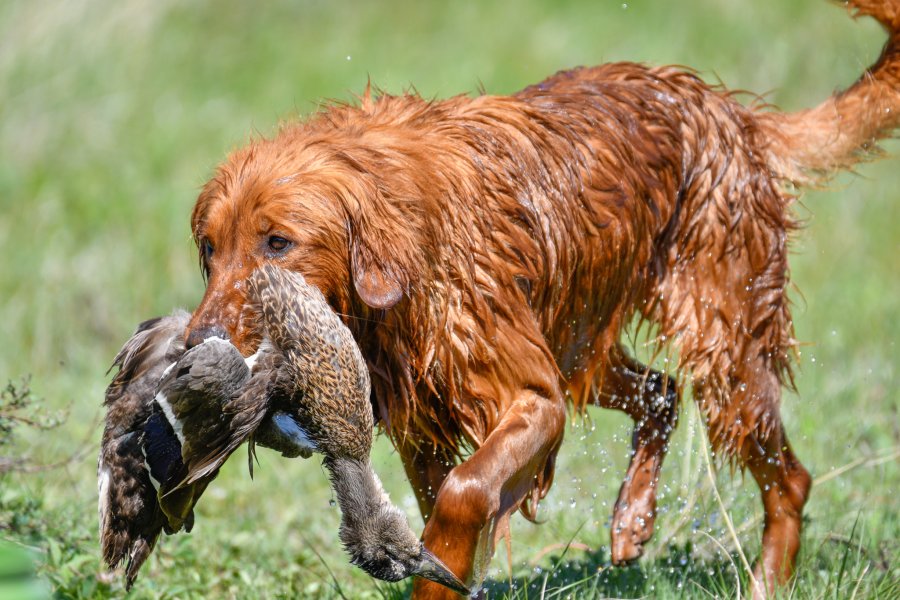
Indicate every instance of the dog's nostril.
{"type": "Point", "coordinates": [196, 336]}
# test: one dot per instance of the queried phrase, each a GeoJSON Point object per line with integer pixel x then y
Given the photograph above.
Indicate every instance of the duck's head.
{"type": "Point", "coordinates": [386, 548]}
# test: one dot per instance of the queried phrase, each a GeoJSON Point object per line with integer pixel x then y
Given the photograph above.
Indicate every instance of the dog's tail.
{"type": "Point", "coordinates": [808, 146]}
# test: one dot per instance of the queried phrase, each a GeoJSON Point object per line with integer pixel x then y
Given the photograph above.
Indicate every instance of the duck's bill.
{"type": "Point", "coordinates": [432, 569]}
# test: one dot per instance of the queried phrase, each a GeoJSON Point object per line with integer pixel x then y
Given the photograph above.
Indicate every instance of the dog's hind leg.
{"type": "Point", "coordinates": [426, 468]}
{"type": "Point", "coordinates": [757, 437]}
{"type": "Point", "coordinates": [784, 484]}
{"type": "Point", "coordinates": [724, 305]}
{"type": "Point", "coordinates": [738, 352]}
{"type": "Point", "coordinates": [651, 399]}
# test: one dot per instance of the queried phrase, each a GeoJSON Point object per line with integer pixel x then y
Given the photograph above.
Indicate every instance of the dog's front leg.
{"type": "Point", "coordinates": [650, 398]}
{"type": "Point", "coordinates": [479, 493]}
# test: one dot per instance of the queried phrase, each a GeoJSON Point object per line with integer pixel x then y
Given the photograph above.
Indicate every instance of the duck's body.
{"type": "Point", "coordinates": [165, 410]}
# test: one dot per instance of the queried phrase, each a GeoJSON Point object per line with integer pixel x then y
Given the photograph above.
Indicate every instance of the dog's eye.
{"type": "Point", "coordinates": [278, 243]}
{"type": "Point", "coordinates": [206, 252]}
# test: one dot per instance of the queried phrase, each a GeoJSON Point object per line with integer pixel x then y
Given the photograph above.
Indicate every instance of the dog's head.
{"type": "Point", "coordinates": [313, 207]}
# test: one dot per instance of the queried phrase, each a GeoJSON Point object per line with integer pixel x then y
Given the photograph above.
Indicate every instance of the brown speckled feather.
{"type": "Point", "coordinates": [324, 384]}
{"type": "Point", "coordinates": [322, 359]}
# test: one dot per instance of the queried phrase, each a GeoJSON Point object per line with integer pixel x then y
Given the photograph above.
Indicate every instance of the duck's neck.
{"type": "Point", "coordinates": [360, 495]}
{"type": "Point", "coordinates": [376, 533]}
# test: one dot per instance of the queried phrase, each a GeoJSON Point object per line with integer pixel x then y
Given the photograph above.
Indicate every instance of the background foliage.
{"type": "Point", "coordinates": [112, 114]}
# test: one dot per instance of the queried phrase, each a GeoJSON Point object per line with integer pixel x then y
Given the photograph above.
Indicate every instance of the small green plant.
{"type": "Point", "coordinates": [19, 407]}
{"type": "Point", "coordinates": [60, 543]}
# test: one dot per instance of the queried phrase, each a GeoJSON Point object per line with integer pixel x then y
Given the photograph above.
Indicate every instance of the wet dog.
{"type": "Point", "coordinates": [487, 253]}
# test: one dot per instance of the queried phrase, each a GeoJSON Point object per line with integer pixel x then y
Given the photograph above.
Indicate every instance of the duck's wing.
{"type": "Point", "coordinates": [192, 397]}
{"type": "Point", "coordinates": [130, 516]}
{"type": "Point", "coordinates": [195, 391]}
{"type": "Point", "coordinates": [241, 416]}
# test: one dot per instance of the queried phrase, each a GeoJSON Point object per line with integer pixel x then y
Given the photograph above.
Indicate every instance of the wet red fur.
{"type": "Point", "coordinates": [487, 253]}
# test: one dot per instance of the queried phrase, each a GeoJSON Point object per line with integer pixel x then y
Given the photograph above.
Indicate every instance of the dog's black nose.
{"type": "Point", "coordinates": [196, 336]}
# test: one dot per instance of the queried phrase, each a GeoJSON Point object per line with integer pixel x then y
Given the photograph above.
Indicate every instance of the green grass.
{"type": "Point", "coordinates": [113, 114]}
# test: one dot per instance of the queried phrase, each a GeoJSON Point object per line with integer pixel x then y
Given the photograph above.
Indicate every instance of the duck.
{"type": "Point", "coordinates": [131, 519]}
{"type": "Point", "coordinates": [324, 393]}
{"type": "Point", "coordinates": [175, 415]}
{"type": "Point", "coordinates": [315, 391]}
{"type": "Point", "coordinates": [169, 411]}
{"type": "Point", "coordinates": [164, 407]}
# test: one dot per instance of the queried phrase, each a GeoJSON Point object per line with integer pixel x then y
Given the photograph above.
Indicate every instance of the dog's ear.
{"type": "Point", "coordinates": [378, 280]}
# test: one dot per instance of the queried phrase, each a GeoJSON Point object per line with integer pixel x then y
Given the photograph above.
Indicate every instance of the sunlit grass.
{"type": "Point", "coordinates": [113, 114]}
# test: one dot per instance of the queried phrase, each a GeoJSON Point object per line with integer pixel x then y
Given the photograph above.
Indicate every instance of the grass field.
{"type": "Point", "coordinates": [113, 114]}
